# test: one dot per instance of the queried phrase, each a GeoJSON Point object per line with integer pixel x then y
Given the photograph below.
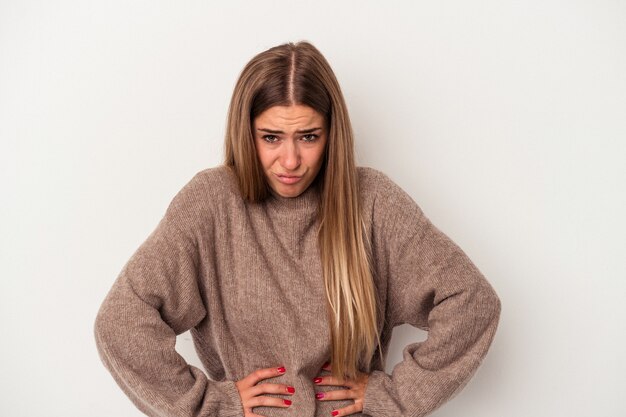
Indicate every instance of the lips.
{"type": "Point", "coordinates": [288, 179]}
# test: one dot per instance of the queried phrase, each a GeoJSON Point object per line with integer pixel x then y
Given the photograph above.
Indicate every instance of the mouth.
{"type": "Point", "coordinates": [288, 179]}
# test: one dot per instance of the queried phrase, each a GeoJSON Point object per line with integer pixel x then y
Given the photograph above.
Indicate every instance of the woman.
{"type": "Point", "coordinates": [291, 267]}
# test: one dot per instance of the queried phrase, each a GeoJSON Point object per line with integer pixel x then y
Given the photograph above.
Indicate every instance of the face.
{"type": "Point", "coordinates": [290, 143]}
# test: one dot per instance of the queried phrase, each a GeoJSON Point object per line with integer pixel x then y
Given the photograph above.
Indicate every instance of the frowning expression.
{"type": "Point", "coordinates": [290, 143]}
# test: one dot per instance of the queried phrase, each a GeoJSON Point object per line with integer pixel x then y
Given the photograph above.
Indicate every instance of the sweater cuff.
{"type": "Point", "coordinates": [232, 407]}
{"type": "Point", "coordinates": [378, 401]}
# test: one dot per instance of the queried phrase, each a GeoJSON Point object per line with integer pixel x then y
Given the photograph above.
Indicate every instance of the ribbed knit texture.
{"type": "Point", "coordinates": [247, 280]}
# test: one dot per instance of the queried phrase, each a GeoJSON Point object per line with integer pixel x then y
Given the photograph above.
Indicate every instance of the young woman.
{"type": "Point", "coordinates": [291, 267]}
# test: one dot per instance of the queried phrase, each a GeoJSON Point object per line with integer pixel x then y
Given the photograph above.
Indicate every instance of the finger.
{"type": "Point", "coordinates": [326, 366]}
{"type": "Point", "coordinates": [331, 380]}
{"type": "Point", "coordinates": [346, 411]}
{"type": "Point", "coordinates": [261, 374]}
{"type": "Point", "coordinates": [340, 394]}
{"type": "Point", "coordinates": [271, 389]}
{"type": "Point", "coordinates": [263, 401]}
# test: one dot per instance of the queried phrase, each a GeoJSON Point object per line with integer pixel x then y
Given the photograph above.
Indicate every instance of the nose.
{"type": "Point", "coordinates": [290, 156]}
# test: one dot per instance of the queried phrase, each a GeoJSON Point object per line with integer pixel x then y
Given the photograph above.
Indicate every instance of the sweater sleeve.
{"type": "Point", "coordinates": [431, 285]}
{"type": "Point", "coordinates": [155, 298]}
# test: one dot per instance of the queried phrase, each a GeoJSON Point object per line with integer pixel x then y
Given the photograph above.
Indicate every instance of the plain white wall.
{"type": "Point", "coordinates": [506, 122]}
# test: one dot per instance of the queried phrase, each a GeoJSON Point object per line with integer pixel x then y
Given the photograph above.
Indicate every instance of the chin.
{"type": "Point", "coordinates": [289, 192]}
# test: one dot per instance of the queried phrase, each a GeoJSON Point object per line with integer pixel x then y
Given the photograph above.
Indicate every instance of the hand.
{"type": "Point", "coordinates": [250, 392]}
{"type": "Point", "coordinates": [355, 391]}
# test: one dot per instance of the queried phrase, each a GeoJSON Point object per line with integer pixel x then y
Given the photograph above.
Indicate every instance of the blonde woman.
{"type": "Point", "coordinates": [291, 267]}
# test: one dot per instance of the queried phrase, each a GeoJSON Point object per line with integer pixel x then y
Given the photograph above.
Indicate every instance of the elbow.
{"type": "Point", "coordinates": [496, 306]}
{"type": "Point", "coordinates": [108, 337]}
{"type": "Point", "coordinates": [102, 332]}
{"type": "Point", "coordinates": [490, 307]}
{"type": "Point", "coordinates": [99, 330]}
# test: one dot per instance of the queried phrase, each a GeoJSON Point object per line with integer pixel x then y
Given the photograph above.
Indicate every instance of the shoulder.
{"type": "Point", "coordinates": [216, 179]}
{"type": "Point", "coordinates": [378, 187]}
{"type": "Point", "coordinates": [370, 176]}
{"type": "Point", "coordinates": [389, 207]}
{"type": "Point", "coordinates": [372, 182]}
{"type": "Point", "coordinates": [204, 194]}
{"type": "Point", "coordinates": [209, 183]}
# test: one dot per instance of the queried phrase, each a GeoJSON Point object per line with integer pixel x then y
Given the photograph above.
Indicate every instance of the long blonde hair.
{"type": "Point", "coordinates": [299, 74]}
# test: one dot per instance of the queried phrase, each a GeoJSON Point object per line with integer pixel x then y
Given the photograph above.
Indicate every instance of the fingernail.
{"type": "Point", "coordinates": [317, 380]}
{"type": "Point", "coordinates": [335, 412]}
{"type": "Point", "coordinates": [291, 389]}
{"type": "Point", "coordinates": [326, 364]}
{"type": "Point", "coordinates": [287, 402]}
{"type": "Point", "coordinates": [319, 395]}
{"type": "Point", "coordinates": [281, 369]}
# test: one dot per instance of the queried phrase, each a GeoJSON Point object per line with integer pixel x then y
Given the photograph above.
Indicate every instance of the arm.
{"type": "Point", "coordinates": [432, 285]}
{"type": "Point", "coordinates": [155, 298]}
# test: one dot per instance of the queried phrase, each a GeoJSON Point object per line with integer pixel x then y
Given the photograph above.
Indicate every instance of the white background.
{"type": "Point", "coordinates": [504, 120]}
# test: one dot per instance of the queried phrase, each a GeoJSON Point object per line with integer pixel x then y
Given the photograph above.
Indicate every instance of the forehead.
{"type": "Point", "coordinates": [294, 115]}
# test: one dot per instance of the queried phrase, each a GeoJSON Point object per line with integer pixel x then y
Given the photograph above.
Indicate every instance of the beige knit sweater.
{"type": "Point", "coordinates": [246, 279]}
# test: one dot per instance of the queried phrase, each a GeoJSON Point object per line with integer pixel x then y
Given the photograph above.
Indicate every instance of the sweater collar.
{"type": "Point", "coordinates": [302, 209]}
{"type": "Point", "coordinates": [307, 202]}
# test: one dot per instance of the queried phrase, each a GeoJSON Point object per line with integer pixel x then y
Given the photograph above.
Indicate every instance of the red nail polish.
{"type": "Point", "coordinates": [288, 402]}
{"type": "Point", "coordinates": [334, 413]}
{"type": "Point", "coordinates": [317, 380]}
{"type": "Point", "coordinates": [291, 389]}
{"type": "Point", "coordinates": [319, 395]}
{"type": "Point", "coordinates": [326, 364]}
{"type": "Point", "coordinates": [281, 369]}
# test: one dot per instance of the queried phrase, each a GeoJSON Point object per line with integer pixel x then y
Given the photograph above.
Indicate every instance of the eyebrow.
{"type": "Point", "coordinates": [311, 130]}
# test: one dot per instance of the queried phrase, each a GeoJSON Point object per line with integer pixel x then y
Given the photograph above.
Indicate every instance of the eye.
{"type": "Point", "coordinates": [310, 137]}
{"type": "Point", "coordinates": [270, 138]}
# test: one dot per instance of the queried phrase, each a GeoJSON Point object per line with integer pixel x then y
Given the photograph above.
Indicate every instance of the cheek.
{"type": "Point", "coordinates": [320, 154]}
{"type": "Point", "coordinates": [264, 155]}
